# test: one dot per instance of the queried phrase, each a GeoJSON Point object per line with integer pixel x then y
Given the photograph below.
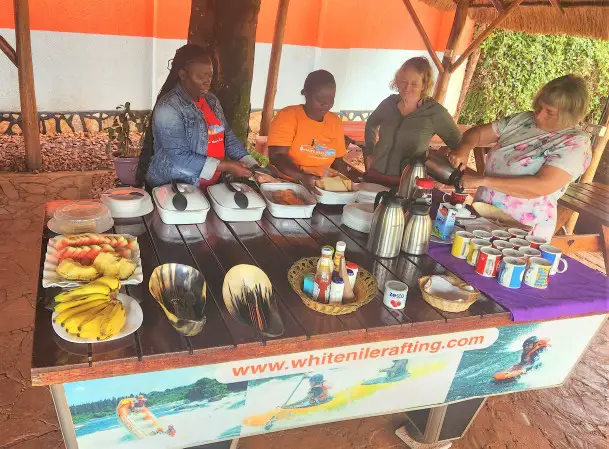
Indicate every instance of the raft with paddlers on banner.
{"type": "Point", "coordinates": [133, 414]}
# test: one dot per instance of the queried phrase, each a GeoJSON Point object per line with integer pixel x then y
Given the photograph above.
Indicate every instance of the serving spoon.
{"type": "Point", "coordinates": [179, 200]}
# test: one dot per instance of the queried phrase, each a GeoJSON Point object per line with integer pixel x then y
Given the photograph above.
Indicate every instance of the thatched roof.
{"type": "Point", "coordinates": [588, 18]}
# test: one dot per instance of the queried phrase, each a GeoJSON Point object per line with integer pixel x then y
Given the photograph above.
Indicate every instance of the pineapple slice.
{"type": "Point", "coordinates": [74, 271]}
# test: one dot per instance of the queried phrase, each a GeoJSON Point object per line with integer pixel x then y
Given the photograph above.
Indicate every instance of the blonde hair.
{"type": "Point", "coordinates": [567, 93]}
{"type": "Point", "coordinates": [421, 66]}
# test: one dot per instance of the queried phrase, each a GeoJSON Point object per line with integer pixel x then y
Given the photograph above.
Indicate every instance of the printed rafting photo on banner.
{"type": "Point", "coordinates": [157, 410]}
{"type": "Point", "coordinates": [524, 357]}
{"type": "Point", "coordinates": [351, 381]}
{"type": "Point", "coordinates": [360, 389]}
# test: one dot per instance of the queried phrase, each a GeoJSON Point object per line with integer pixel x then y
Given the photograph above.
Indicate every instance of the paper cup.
{"type": "Point", "coordinates": [536, 242]}
{"type": "Point", "coordinates": [529, 252]}
{"type": "Point", "coordinates": [460, 244]}
{"type": "Point", "coordinates": [537, 273]}
{"type": "Point", "coordinates": [395, 295]}
{"type": "Point", "coordinates": [480, 234]}
{"type": "Point", "coordinates": [554, 256]}
{"type": "Point", "coordinates": [474, 250]}
{"type": "Point", "coordinates": [500, 235]}
{"type": "Point", "coordinates": [518, 233]}
{"type": "Point", "coordinates": [455, 198]}
{"type": "Point", "coordinates": [519, 243]}
{"type": "Point", "coordinates": [502, 244]}
{"type": "Point", "coordinates": [512, 253]}
{"type": "Point", "coordinates": [488, 262]}
{"type": "Point", "coordinates": [511, 272]}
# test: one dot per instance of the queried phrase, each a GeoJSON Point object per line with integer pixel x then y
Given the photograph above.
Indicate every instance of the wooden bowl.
{"type": "Point", "coordinates": [449, 305]}
{"type": "Point", "coordinates": [181, 292]}
{"type": "Point", "coordinates": [365, 288]}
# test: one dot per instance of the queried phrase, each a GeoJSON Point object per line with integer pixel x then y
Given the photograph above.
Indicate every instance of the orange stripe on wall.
{"type": "Point", "coordinates": [320, 23]}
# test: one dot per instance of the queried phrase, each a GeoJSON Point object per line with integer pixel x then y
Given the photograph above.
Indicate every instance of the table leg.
{"type": "Point", "coordinates": [446, 422]}
{"type": "Point", "coordinates": [64, 416]}
{"type": "Point", "coordinates": [605, 246]}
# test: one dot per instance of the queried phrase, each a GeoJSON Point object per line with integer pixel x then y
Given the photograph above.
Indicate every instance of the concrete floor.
{"type": "Point", "coordinates": [572, 416]}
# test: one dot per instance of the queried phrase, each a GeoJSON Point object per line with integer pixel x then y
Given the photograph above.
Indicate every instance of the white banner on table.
{"type": "Point", "coordinates": [339, 357]}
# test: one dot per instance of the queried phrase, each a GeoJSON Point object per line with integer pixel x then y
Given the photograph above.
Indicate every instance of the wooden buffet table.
{"type": "Point", "coordinates": [273, 244]}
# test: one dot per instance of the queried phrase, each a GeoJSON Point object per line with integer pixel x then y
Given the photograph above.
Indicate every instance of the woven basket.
{"type": "Point", "coordinates": [448, 305]}
{"type": "Point", "coordinates": [365, 288]}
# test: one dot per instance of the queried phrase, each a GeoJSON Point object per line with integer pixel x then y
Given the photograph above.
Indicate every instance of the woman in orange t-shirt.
{"type": "Point", "coordinates": [305, 140]}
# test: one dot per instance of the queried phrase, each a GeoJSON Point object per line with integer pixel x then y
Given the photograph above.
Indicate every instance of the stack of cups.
{"type": "Point", "coordinates": [512, 256]}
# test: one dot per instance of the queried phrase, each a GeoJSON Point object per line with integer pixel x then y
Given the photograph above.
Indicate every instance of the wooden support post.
{"type": "Point", "coordinates": [274, 63]}
{"type": "Point", "coordinates": [467, 80]}
{"type": "Point", "coordinates": [423, 34]}
{"type": "Point", "coordinates": [447, 59]}
{"type": "Point", "coordinates": [484, 34]}
{"type": "Point", "coordinates": [8, 50]}
{"type": "Point", "coordinates": [27, 94]}
{"type": "Point", "coordinates": [599, 146]}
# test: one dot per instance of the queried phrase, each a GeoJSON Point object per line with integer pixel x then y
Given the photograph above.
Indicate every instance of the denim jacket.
{"type": "Point", "coordinates": [180, 140]}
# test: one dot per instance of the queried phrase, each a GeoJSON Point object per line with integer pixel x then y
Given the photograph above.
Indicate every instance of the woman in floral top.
{"type": "Point", "coordinates": [535, 157]}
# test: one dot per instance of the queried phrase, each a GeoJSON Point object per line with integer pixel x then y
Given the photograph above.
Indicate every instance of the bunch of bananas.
{"type": "Point", "coordinates": [91, 311]}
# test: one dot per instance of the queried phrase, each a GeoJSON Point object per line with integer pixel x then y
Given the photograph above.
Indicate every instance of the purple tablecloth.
{"type": "Point", "coordinates": [579, 290]}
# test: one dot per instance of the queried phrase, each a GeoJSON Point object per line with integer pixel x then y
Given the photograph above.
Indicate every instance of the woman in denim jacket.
{"type": "Point", "coordinates": [190, 141]}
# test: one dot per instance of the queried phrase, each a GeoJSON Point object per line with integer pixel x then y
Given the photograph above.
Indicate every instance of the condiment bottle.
{"type": "Point", "coordinates": [331, 251]}
{"type": "Point", "coordinates": [348, 295]}
{"type": "Point", "coordinates": [339, 254]}
{"type": "Point", "coordinates": [353, 268]}
{"type": "Point", "coordinates": [323, 277]}
{"type": "Point", "coordinates": [336, 290]}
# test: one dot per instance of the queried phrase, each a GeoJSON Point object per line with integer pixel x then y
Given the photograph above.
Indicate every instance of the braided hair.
{"type": "Point", "coordinates": [185, 55]}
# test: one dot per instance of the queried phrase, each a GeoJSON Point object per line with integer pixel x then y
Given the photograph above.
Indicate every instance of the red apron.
{"type": "Point", "coordinates": [215, 139]}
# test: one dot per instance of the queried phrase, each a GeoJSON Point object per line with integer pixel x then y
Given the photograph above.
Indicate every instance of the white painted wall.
{"type": "Point", "coordinates": [75, 72]}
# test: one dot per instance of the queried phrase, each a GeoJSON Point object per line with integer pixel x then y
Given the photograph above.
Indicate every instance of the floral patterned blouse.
{"type": "Point", "coordinates": [522, 150]}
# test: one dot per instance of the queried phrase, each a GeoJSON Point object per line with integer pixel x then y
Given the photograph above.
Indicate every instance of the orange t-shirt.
{"type": "Point", "coordinates": [313, 145]}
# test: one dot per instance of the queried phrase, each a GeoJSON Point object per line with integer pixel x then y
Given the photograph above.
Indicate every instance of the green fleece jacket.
{"type": "Point", "coordinates": [395, 140]}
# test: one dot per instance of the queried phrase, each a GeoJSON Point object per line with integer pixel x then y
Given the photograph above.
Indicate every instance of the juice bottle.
{"type": "Point", "coordinates": [323, 277]}
{"type": "Point", "coordinates": [338, 255]}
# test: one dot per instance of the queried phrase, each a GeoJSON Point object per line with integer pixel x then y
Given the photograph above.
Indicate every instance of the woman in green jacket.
{"type": "Point", "coordinates": [401, 127]}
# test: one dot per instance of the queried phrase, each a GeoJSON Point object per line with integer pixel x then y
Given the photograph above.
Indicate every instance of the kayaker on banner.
{"type": "Point", "coordinates": [531, 349]}
{"type": "Point", "coordinates": [319, 390]}
{"type": "Point", "coordinates": [396, 370]}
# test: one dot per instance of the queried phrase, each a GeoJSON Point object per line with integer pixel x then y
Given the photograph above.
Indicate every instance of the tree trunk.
{"type": "Point", "coordinates": [227, 28]}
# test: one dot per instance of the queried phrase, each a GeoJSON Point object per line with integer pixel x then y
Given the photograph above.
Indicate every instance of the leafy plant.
{"type": "Point", "coordinates": [513, 66]}
{"type": "Point", "coordinates": [120, 144]}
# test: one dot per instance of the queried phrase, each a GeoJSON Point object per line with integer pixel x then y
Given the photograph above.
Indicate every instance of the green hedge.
{"type": "Point", "coordinates": [513, 66]}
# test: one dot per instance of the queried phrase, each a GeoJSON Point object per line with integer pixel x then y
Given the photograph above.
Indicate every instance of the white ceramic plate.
{"type": "Point", "coordinates": [50, 278]}
{"type": "Point", "coordinates": [145, 208]}
{"type": "Point", "coordinates": [134, 316]}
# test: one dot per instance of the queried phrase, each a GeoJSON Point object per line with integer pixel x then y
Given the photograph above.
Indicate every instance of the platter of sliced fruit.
{"type": "Point", "coordinates": [73, 260]}
{"type": "Point", "coordinates": [96, 312]}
